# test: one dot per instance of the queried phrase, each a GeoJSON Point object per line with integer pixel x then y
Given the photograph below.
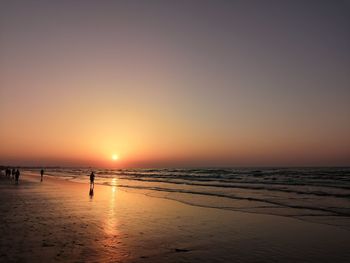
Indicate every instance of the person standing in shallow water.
{"type": "Point", "coordinates": [92, 183]}
{"type": "Point", "coordinates": [17, 174]}
{"type": "Point", "coordinates": [42, 175]}
{"type": "Point", "coordinates": [92, 180]}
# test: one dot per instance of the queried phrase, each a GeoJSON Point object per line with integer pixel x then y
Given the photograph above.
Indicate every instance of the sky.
{"type": "Point", "coordinates": [175, 83]}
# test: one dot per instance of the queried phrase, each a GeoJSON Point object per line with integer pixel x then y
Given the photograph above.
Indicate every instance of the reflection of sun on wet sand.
{"type": "Point", "coordinates": [111, 224]}
{"type": "Point", "coordinates": [57, 221]}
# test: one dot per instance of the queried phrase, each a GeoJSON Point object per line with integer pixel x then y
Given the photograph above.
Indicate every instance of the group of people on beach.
{"type": "Point", "coordinates": [13, 174]}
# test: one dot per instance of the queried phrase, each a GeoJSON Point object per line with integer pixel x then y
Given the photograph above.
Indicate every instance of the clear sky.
{"type": "Point", "coordinates": [175, 83]}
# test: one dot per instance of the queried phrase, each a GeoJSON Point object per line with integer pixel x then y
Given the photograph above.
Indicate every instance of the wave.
{"type": "Point", "coordinates": [281, 204]}
{"type": "Point", "coordinates": [296, 192]}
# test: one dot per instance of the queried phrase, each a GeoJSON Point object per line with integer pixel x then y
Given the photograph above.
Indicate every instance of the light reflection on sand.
{"type": "Point", "coordinates": [121, 226]}
{"type": "Point", "coordinates": [111, 223]}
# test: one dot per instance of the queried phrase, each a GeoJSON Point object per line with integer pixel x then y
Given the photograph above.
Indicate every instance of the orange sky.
{"type": "Point", "coordinates": [162, 85]}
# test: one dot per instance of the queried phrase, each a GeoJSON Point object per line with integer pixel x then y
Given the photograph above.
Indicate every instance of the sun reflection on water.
{"type": "Point", "coordinates": [114, 249]}
{"type": "Point", "coordinates": [111, 219]}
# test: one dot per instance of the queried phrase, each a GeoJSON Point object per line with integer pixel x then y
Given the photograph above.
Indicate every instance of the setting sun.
{"type": "Point", "coordinates": [115, 157]}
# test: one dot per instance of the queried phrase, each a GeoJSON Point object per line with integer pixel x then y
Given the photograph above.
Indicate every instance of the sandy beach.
{"type": "Point", "coordinates": [57, 220]}
{"type": "Point", "coordinates": [214, 131]}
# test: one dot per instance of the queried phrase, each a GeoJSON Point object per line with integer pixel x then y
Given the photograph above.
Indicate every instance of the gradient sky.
{"type": "Point", "coordinates": [175, 83]}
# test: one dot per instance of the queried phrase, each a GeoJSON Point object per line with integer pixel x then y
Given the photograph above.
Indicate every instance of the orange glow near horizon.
{"type": "Point", "coordinates": [149, 87]}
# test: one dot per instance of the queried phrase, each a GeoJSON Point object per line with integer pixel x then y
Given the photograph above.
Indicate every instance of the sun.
{"type": "Point", "coordinates": [115, 157]}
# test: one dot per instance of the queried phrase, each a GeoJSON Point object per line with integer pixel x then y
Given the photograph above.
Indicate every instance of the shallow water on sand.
{"type": "Point", "coordinates": [58, 221]}
{"type": "Point", "coordinates": [315, 194]}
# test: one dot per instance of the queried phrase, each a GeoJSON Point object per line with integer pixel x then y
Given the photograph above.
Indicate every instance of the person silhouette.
{"type": "Point", "coordinates": [13, 173]}
{"type": "Point", "coordinates": [92, 184]}
{"type": "Point", "coordinates": [42, 175]}
{"type": "Point", "coordinates": [92, 180]}
{"type": "Point", "coordinates": [17, 174]}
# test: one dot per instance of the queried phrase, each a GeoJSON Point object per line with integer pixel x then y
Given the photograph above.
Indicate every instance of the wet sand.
{"type": "Point", "coordinates": [57, 221]}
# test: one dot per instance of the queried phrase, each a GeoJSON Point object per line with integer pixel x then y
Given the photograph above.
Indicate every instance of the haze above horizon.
{"type": "Point", "coordinates": [175, 83]}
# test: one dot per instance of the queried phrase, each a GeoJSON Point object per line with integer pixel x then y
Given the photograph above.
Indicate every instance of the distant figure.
{"type": "Point", "coordinates": [92, 180]}
{"type": "Point", "coordinates": [13, 173]}
{"type": "Point", "coordinates": [92, 184]}
{"type": "Point", "coordinates": [17, 176]}
{"type": "Point", "coordinates": [42, 175]}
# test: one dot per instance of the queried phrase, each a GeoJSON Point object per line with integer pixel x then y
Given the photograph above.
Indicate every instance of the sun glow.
{"type": "Point", "coordinates": [115, 157]}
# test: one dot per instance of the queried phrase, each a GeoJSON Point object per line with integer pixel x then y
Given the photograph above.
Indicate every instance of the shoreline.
{"type": "Point", "coordinates": [338, 220]}
{"type": "Point", "coordinates": [61, 222]}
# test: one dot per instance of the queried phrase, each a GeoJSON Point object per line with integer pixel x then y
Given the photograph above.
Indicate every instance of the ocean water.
{"type": "Point", "coordinates": [321, 195]}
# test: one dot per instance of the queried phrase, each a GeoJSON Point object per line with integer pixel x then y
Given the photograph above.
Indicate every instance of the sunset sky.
{"type": "Point", "coordinates": [175, 83]}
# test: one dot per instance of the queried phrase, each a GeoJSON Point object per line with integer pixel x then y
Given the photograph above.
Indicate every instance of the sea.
{"type": "Point", "coordinates": [317, 194]}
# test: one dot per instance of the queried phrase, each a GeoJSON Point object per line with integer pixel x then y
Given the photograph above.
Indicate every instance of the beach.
{"type": "Point", "coordinates": [57, 220]}
{"type": "Point", "coordinates": [175, 131]}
